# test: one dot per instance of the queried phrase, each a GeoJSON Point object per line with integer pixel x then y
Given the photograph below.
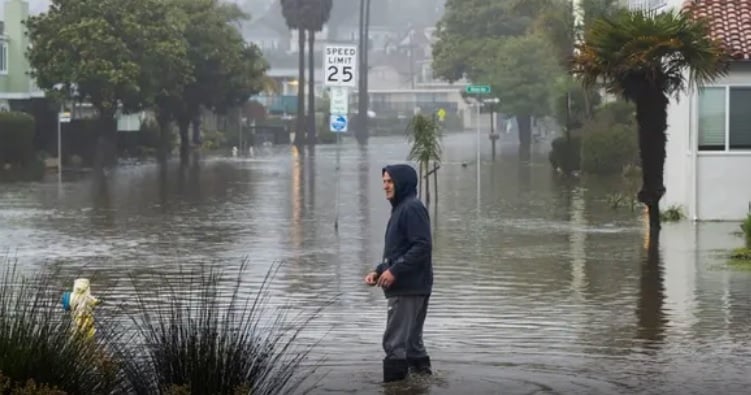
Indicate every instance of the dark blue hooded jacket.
{"type": "Point", "coordinates": [407, 250]}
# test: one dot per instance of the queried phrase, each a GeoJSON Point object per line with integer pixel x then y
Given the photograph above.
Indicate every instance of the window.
{"type": "Point", "coordinates": [725, 118]}
{"type": "Point", "coordinates": [3, 58]}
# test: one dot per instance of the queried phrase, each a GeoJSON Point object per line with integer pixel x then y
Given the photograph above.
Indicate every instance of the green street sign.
{"type": "Point", "coordinates": [478, 89]}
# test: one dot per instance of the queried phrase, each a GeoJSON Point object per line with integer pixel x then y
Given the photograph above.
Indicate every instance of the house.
{"type": "Point", "coordinates": [15, 82]}
{"type": "Point", "coordinates": [709, 128]}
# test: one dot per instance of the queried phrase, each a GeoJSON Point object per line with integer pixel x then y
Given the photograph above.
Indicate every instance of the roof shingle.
{"type": "Point", "coordinates": [729, 21]}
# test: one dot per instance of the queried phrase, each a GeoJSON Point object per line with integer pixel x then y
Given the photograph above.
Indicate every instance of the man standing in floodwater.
{"type": "Point", "coordinates": [405, 274]}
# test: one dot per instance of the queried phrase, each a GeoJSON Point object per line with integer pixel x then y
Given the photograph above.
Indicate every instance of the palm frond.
{"type": "Point", "coordinates": [424, 134]}
{"type": "Point", "coordinates": [634, 47]}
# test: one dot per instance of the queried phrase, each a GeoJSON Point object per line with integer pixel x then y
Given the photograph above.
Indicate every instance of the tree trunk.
{"type": "Point", "coordinates": [651, 118]}
{"type": "Point", "coordinates": [106, 152]}
{"type": "Point", "coordinates": [435, 181]}
{"type": "Point", "coordinates": [196, 123]}
{"type": "Point", "coordinates": [312, 136]}
{"type": "Point", "coordinates": [183, 126]}
{"type": "Point", "coordinates": [300, 122]}
{"type": "Point", "coordinates": [427, 184]}
{"type": "Point", "coordinates": [524, 121]}
{"type": "Point", "coordinates": [164, 133]}
{"type": "Point", "coordinates": [419, 182]}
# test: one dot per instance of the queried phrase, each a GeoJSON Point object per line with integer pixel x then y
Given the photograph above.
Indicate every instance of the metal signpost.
{"type": "Point", "coordinates": [478, 90]}
{"type": "Point", "coordinates": [339, 74]}
{"type": "Point", "coordinates": [62, 117]}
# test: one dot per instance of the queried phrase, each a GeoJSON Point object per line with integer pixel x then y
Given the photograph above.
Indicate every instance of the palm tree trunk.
{"type": "Point", "coordinates": [651, 117]}
{"type": "Point", "coordinates": [311, 89]}
{"type": "Point", "coordinates": [300, 122]}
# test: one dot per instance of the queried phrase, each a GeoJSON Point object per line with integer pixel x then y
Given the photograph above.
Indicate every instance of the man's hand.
{"type": "Point", "coordinates": [371, 278]}
{"type": "Point", "coordinates": [386, 279]}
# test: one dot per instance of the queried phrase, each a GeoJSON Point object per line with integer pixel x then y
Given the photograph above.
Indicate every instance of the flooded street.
{"type": "Point", "coordinates": [540, 287]}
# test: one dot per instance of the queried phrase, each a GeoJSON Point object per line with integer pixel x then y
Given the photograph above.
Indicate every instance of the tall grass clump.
{"type": "Point", "coordinates": [202, 334]}
{"type": "Point", "coordinates": [39, 351]}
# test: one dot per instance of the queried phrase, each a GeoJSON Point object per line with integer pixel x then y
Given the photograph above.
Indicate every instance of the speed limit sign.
{"type": "Point", "coordinates": [340, 65]}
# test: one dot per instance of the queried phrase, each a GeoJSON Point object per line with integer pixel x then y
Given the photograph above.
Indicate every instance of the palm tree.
{"type": "Point", "coordinates": [294, 15]}
{"type": "Point", "coordinates": [424, 134]}
{"type": "Point", "coordinates": [646, 59]}
{"type": "Point", "coordinates": [317, 14]}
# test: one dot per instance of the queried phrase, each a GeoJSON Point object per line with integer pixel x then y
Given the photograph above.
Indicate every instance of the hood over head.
{"type": "Point", "coordinates": [405, 181]}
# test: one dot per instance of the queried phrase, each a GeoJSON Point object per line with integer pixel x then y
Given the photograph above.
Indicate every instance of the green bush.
{"type": "Point", "coordinates": [214, 140]}
{"type": "Point", "coordinates": [746, 228]}
{"type": "Point", "coordinates": [16, 138]}
{"type": "Point", "coordinates": [566, 154]}
{"type": "Point", "coordinates": [608, 151]}
{"type": "Point", "coordinates": [610, 140]}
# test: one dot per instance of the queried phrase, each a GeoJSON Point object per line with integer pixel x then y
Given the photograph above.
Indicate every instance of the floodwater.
{"type": "Point", "coordinates": [540, 286]}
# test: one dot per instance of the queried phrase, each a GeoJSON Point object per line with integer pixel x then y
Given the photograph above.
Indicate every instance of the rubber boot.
{"type": "Point", "coordinates": [394, 370]}
{"type": "Point", "coordinates": [420, 366]}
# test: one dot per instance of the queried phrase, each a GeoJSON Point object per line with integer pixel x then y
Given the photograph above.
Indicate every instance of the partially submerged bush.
{"type": "Point", "coordinates": [746, 228]}
{"type": "Point", "coordinates": [199, 340]}
{"type": "Point", "coordinates": [672, 214]}
{"type": "Point", "coordinates": [607, 149]}
{"type": "Point", "coordinates": [565, 154]}
{"type": "Point", "coordinates": [38, 352]}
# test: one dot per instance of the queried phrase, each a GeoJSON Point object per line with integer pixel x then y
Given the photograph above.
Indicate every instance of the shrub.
{"type": "Point", "coordinates": [38, 352]}
{"type": "Point", "coordinates": [746, 228]}
{"type": "Point", "coordinates": [672, 214]}
{"type": "Point", "coordinates": [195, 339]}
{"type": "Point", "coordinates": [607, 149]}
{"type": "Point", "coordinates": [566, 154]}
{"type": "Point", "coordinates": [16, 138]}
{"type": "Point", "coordinates": [214, 140]}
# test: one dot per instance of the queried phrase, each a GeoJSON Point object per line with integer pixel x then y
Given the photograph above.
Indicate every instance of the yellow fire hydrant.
{"type": "Point", "coordinates": [81, 305]}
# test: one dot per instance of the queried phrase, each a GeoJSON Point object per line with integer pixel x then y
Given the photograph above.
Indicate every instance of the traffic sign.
{"type": "Point", "coordinates": [478, 89]}
{"type": "Point", "coordinates": [339, 100]}
{"type": "Point", "coordinates": [340, 65]}
{"type": "Point", "coordinates": [338, 123]}
{"type": "Point", "coordinates": [64, 117]}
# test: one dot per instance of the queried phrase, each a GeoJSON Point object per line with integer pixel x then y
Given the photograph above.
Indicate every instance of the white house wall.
{"type": "Point", "coordinates": [720, 191]}
{"type": "Point", "coordinates": [678, 152]}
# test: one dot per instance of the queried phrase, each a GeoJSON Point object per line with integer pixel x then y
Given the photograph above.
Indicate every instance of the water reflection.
{"type": "Point", "coordinates": [539, 288]}
{"type": "Point", "coordinates": [650, 309]}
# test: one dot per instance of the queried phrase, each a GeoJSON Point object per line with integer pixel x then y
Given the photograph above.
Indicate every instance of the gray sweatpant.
{"type": "Point", "coordinates": [402, 338]}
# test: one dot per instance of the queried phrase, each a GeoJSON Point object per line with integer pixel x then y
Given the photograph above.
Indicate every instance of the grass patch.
{"type": "Point", "coordinates": [740, 258]}
{"type": "Point", "coordinates": [200, 336]}
{"type": "Point", "coordinates": [672, 214]}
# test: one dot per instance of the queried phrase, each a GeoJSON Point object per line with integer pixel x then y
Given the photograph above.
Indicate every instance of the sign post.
{"type": "Point", "coordinates": [339, 75]}
{"type": "Point", "coordinates": [62, 117]}
{"type": "Point", "coordinates": [478, 90]}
